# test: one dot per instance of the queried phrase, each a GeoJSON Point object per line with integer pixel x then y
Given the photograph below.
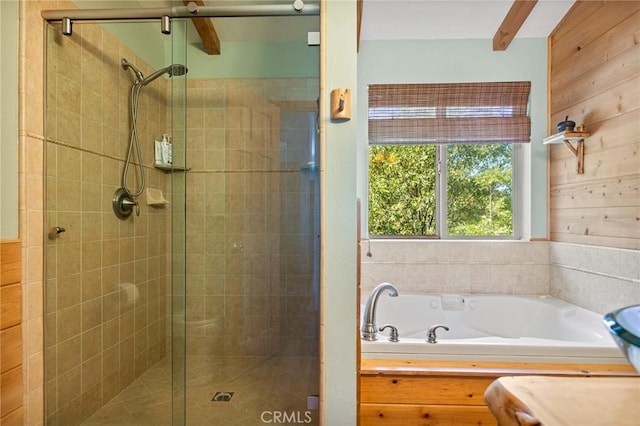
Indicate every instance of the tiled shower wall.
{"type": "Point", "coordinates": [106, 278]}
{"type": "Point", "coordinates": [249, 243]}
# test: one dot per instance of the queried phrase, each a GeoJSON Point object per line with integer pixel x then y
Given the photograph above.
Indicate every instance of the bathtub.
{"type": "Point", "coordinates": [491, 328]}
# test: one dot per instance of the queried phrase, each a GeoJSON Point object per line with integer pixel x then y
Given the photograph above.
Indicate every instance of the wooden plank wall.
{"type": "Point", "coordinates": [10, 333]}
{"type": "Point", "coordinates": [595, 80]}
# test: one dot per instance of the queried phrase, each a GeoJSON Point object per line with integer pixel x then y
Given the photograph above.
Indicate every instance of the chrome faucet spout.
{"type": "Point", "coordinates": [369, 328]}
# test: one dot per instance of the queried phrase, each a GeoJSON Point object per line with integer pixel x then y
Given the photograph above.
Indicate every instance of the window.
{"type": "Point", "coordinates": [443, 158]}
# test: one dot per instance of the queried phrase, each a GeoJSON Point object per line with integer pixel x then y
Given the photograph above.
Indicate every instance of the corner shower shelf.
{"type": "Point", "coordinates": [170, 168]}
{"type": "Point", "coordinates": [567, 138]}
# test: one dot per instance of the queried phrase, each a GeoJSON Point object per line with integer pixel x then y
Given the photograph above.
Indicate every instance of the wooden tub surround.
{"type": "Point", "coordinates": [436, 393]}
{"type": "Point", "coordinates": [10, 333]}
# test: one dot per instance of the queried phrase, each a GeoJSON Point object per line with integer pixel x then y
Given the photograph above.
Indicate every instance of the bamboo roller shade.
{"type": "Point", "coordinates": [449, 113]}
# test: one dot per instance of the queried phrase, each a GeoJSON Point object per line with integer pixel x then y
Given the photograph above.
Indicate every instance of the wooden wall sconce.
{"type": "Point", "coordinates": [341, 104]}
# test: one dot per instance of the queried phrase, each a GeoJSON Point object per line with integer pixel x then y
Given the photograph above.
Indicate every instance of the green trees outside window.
{"type": "Point", "coordinates": [404, 190]}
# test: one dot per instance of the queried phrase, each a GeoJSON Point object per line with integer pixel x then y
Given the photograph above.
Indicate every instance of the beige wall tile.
{"type": "Point", "coordinates": [35, 231]}
{"type": "Point", "coordinates": [69, 388]}
{"type": "Point", "coordinates": [68, 291]}
{"type": "Point", "coordinates": [68, 355]}
{"type": "Point", "coordinates": [111, 306]}
{"type": "Point", "coordinates": [35, 259]}
{"type": "Point", "coordinates": [110, 333]}
{"type": "Point", "coordinates": [110, 252]}
{"type": "Point", "coordinates": [34, 407]}
{"type": "Point", "coordinates": [34, 341]}
{"type": "Point", "coordinates": [91, 341]}
{"type": "Point", "coordinates": [91, 284]}
{"type": "Point", "coordinates": [69, 195]}
{"type": "Point", "coordinates": [35, 192]}
{"type": "Point", "coordinates": [69, 127]}
{"type": "Point", "coordinates": [91, 256]}
{"type": "Point", "coordinates": [34, 300]}
{"type": "Point", "coordinates": [34, 156]}
{"type": "Point", "coordinates": [68, 323]}
{"type": "Point", "coordinates": [92, 315]}
{"type": "Point", "coordinates": [67, 91]}
{"type": "Point", "coordinates": [69, 259]}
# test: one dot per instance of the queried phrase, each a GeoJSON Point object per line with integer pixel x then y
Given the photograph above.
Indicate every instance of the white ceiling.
{"type": "Point", "coordinates": [405, 20]}
{"type": "Point", "coordinates": [381, 19]}
{"type": "Point", "coordinates": [453, 19]}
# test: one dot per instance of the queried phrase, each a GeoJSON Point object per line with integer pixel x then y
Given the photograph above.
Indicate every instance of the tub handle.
{"type": "Point", "coordinates": [393, 335]}
{"type": "Point", "coordinates": [431, 334]}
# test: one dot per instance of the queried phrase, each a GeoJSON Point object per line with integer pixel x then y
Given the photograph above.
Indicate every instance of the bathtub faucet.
{"type": "Point", "coordinates": [369, 328]}
{"type": "Point", "coordinates": [431, 334]}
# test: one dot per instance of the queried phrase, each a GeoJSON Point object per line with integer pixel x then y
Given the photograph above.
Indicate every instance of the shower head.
{"type": "Point", "coordinates": [173, 70]}
{"type": "Point", "coordinates": [177, 70]}
{"type": "Point", "coordinates": [126, 64]}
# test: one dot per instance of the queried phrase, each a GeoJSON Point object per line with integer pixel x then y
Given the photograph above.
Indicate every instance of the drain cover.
{"type": "Point", "coordinates": [222, 396]}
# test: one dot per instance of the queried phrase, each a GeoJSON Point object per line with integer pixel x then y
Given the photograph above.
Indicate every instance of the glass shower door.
{"type": "Point", "coordinates": [252, 232]}
{"type": "Point", "coordinates": [109, 281]}
{"type": "Point", "coordinates": [252, 255]}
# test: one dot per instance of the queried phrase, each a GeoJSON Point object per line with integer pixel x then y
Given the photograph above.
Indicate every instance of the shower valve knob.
{"type": "Point", "coordinates": [123, 204]}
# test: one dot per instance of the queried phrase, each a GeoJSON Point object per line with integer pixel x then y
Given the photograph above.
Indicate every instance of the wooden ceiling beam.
{"type": "Point", "coordinates": [520, 10]}
{"type": "Point", "coordinates": [206, 31]}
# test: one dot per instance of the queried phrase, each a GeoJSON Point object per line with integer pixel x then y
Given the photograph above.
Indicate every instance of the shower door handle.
{"type": "Point", "coordinates": [55, 232]}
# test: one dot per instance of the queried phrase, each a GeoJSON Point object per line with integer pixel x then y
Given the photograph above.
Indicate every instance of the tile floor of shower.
{"type": "Point", "coordinates": [259, 384]}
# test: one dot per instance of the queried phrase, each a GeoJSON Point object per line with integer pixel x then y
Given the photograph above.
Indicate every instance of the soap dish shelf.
{"type": "Point", "coordinates": [567, 138]}
{"type": "Point", "coordinates": [155, 198]}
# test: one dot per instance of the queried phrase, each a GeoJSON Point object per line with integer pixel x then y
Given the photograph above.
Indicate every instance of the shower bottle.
{"type": "Point", "coordinates": [164, 151]}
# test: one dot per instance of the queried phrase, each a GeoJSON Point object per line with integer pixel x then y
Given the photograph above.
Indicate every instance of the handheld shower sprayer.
{"type": "Point", "coordinates": [174, 70]}
{"type": "Point", "coordinates": [124, 198]}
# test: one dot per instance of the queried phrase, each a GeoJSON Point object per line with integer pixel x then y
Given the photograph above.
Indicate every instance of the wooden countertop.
{"type": "Point", "coordinates": [559, 401]}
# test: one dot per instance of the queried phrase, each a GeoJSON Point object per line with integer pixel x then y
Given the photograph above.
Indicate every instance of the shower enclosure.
{"type": "Point", "coordinates": [203, 308]}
